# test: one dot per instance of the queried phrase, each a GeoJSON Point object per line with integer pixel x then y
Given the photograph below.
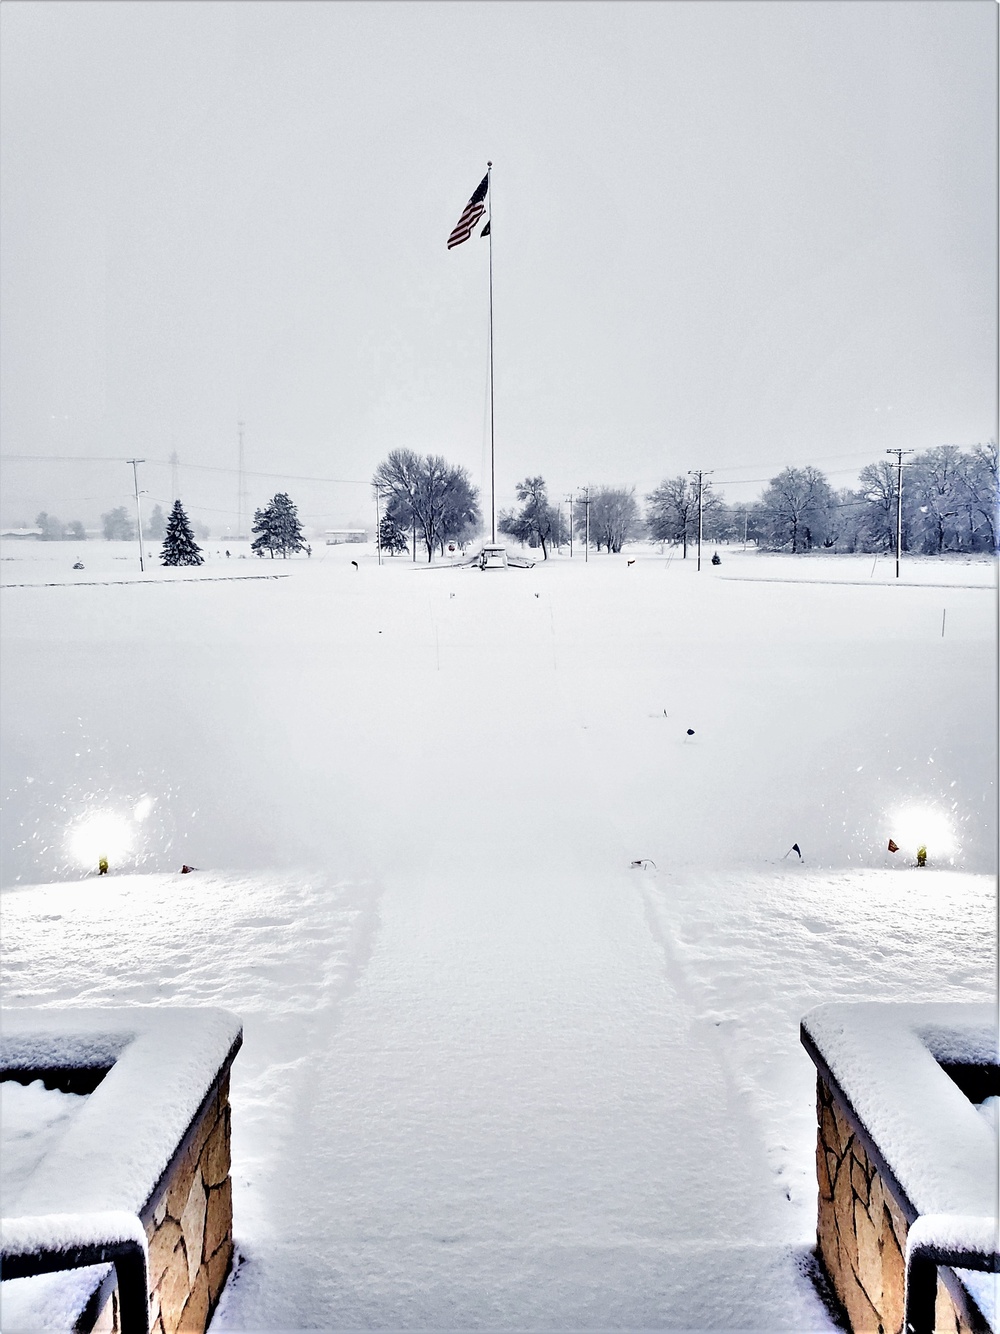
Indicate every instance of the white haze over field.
{"type": "Point", "coordinates": [732, 236]}
{"type": "Point", "coordinates": [495, 1076]}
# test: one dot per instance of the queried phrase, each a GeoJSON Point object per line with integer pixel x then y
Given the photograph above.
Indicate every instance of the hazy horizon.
{"type": "Point", "coordinates": [726, 236]}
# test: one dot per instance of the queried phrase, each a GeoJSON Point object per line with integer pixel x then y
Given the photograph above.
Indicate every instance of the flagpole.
{"type": "Point", "coordinates": [493, 473]}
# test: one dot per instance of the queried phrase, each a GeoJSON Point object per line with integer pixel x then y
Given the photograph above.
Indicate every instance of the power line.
{"type": "Point", "coordinates": [165, 463]}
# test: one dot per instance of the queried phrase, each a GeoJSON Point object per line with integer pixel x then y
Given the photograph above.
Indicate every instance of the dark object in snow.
{"type": "Point", "coordinates": [893, 847]}
{"type": "Point", "coordinates": [922, 855]}
{"type": "Point", "coordinates": [355, 564]}
{"type": "Point", "coordinates": [642, 863]}
{"type": "Point", "coordinates": [716, 558]}
{"type": "Point", "coordinates": [102, 866]}
{"type": "Point", "coordinates": [185, 869]}
{"type": "Point", "coordinates": [794, 848]}
{"type": "Point", "coordinates": [78, 565]}
{"type": "Point", "coordinates": [690, 731]}
{"type": "Point", "coordinates": [629, 562]}
{"type": "Point", "coordinates": [227, 555]}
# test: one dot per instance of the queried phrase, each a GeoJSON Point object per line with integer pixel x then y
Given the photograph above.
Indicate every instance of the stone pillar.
{"type": "Point", "coordinates": [862, 1230]}
{"type": "Point", "coordinates": [189, 1223]}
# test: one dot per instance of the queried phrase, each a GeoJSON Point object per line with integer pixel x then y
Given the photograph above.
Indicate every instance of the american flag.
{"type": "Point", "coordinates": [471, 214]}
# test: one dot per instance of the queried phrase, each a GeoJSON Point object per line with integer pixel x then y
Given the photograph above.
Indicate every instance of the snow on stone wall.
{"type": "Point", "coordinates": [152, 1140]}
{"type": "Point", "coordinates": [898, 1139]}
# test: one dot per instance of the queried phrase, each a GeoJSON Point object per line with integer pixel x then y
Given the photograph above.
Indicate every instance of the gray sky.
{"type": "Point", "coordinates": [732, 236]}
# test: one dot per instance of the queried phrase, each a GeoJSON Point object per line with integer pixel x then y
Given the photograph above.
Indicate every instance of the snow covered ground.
{"type": "Point", "coordinates": [494, 1075]}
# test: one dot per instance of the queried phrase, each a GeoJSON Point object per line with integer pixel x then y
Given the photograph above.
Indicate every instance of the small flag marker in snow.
{"type": "Point", "coordinates": [641, 864]}
{"type": "Point", "coordinates": [893, 847]}
{"type": "Point", "coordinates": [794, 848]}
{"type": "Point", "coordinates": [690, 731]}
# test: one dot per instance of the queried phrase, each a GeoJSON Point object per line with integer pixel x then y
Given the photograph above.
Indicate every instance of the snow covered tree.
{"type": "Point", "coordinates": [52, 529]}
{"type": "Point", "coordinates": [278, 528]}
{"type": "Point", "coordinates": [980, 484]}
{"type": "Point", "coordinates": [179, 546]}
{"type": "Point", "coordinates": [614, 517]}
{"type": "Point", "coordinates": [155, 526]}
{"type": "Point", "coordinates": [117, 525]}
{"type": "Point", "coordinates": [537, 523]}
{"type": "Point", "coordinates": [796, 509]}
{"type": "Point", "coordinates": [429, 495]}
{"type": "Point", "coordinates": [877, 506]}
{"type": "Point", "coordinates": [391, 537]}
{"type": "Point", "coordinates": [673, 512]}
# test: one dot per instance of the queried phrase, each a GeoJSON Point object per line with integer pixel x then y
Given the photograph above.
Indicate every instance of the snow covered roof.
{"type": "Point", "coordinates": [886, 1060]}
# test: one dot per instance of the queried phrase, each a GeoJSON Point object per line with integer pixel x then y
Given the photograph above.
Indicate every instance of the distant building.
{"type": "Point", "coordinates": [335, 536]}
{"type": "Point", "coordinates": [21, 532]}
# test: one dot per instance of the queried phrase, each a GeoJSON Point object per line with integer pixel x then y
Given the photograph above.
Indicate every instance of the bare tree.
{"type": "Point", "coordinates": [538, 523]}
{"type": "Point", "coordinates": [981, 492]}
{"type": "Point", "coordinates": [431, 495]}
{"type": "Point", "coordinates": [672, 515]}
{"type": "Point", "coordinates": [614, 517]}
{"type": "Point", "coordinates": [796, 507]}
{"type": "Point", "coordinates": [876, 497]}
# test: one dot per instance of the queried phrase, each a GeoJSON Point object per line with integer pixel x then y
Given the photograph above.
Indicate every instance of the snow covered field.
{"type": "Point", "coordinates": [495, 1076]}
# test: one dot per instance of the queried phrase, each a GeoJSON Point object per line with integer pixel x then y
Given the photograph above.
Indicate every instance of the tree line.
{"type": "Point", "coordinates": [949, 503]}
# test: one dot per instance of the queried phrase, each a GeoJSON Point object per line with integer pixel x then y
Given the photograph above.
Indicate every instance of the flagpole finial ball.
{"type": "Point", "coordinates": [489, 164]}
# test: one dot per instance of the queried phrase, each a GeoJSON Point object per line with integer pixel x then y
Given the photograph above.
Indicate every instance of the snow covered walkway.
{"type": "Point", "coordinates": [493, 1078]}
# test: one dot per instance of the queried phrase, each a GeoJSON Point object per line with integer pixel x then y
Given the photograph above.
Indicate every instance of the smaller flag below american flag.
{"type": "Point", "coordinates": [486, 230]}
{"type": "Point", "coordinates": [471, 214]}
{"type": "Point", "coordinates": [893, 847]}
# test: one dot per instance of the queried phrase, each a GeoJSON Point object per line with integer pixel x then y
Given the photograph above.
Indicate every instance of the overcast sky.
{"type": "Point", "coordinates": [728, 236]}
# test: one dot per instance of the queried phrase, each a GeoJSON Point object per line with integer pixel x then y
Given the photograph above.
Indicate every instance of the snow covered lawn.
{"type": "Point", "coordinates": [494, 1076]}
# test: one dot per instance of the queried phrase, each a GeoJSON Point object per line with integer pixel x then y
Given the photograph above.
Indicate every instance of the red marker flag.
{"type": "Point", "coordinates": [471, 214]}
{"type": "Point", "coordinates": [893, 847]}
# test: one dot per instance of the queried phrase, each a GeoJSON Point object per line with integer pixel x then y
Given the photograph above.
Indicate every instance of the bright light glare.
{"type": "Point", "coordinates": [102, 834]}
{"type": "Point", "coordinates": [923, 826]}
{"type": "Point", "coordinates": [142, 809]}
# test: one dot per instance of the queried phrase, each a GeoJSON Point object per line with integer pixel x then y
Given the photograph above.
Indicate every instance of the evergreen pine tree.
{"type": "Point", "coordinates": [179, 546]}
{"type": "Point", "coordinates": [278, 527]}
{"type": "Point", "coordinates": [391, 537]}
{"type": "Point", "coordinates": [263, 526]}
{"type": "Point", "coordinates": [288, 530]}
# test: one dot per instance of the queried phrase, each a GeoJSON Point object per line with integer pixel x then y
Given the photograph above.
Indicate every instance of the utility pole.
{"type": "Point", "coordinates": [586, 542]}
{"type": "Point", "coordinates": [138, 510]}
{"type": "Point", "coordinates": [378, 529]}
{"type": "Point", "coordinates": [570, 500]}
{"type": "Point", "coordinates": [899, 499]}
{"type": "Point", "coordinates": [700, 476]}
{"type": "Point", "coordinates": [746, 521]}
{"type": "Point", "coordinates": [174, 465]}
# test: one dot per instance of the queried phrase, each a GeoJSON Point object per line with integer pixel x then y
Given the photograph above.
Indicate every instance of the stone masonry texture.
{"type": "Point", "coordinates": [189, 1227]}
{"type": "Point", "coordinates": [862, 1231]}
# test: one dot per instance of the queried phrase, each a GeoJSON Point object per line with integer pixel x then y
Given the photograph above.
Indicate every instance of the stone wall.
{"type": "Point", "coordinates": [862, 1231]}
{"type": "Point", "coordinates": [189, 1227]}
